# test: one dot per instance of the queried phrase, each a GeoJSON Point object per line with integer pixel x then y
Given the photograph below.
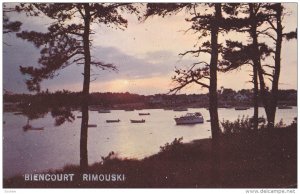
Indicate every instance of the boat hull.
{"type": "Point", "coordinates": [180, 121]}
{"type": "Point", "coordinates": [137, 121]}
{"type": "Point", "coordinates": [112, 121]}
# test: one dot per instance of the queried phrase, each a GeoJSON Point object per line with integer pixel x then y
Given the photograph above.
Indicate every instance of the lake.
{"type": "Point", "coordinates": [54, 147]}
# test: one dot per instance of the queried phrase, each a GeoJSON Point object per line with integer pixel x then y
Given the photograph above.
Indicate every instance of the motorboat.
{"type": "Point", "coordinates": [141, 114]}
{"type": "Point", "coordinates": [189, 118]}
{"type": "Point", "coordinates": [137, 121]}
{"type": "Point", "coordinates": [92, 125]}
{"type": "Point", "coordinates": [113, 121]}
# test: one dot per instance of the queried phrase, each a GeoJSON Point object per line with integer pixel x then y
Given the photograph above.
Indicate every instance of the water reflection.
{"type": "Point", "coordinates": [55, 147]}
{"type": "Point", "coordinates": [62, 115]}
{"type": "Point", "coordinates": [83, 137]}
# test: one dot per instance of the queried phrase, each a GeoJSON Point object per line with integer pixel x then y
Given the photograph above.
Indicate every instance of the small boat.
{"type": "Point", "coordinates": [18, 113]}
{"type": "Point", "coordinates": [241, 108]}
{"type": "Point", "coordinates": [137, 121]}
{"type": "Point", "coordinates": [284, 107]}
{"type": "Point", "coordinates": [189, 118]}
{"type": "Point", "coordinates": [180, 109]}
{"type": "Point", "coordinates": [103, 111]}
{"type": "Point", "coordinates": [113, 121]}
{"type": "Point", "coordinates": [92, 125]}
{"type": "Point", "coordinates": [79, 117]}
{"type": "Point", "coordinates": [144, 114]}
{"type": "Point", "coordinates": [29, 127]}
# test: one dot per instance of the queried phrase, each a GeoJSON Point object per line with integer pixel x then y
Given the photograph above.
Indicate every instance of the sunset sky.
{"type": "Point", "coordinates": [146, 54]}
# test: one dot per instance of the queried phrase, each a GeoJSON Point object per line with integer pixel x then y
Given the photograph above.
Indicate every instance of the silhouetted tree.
{"type": "Point", "coordinates": [207, 24]}
{"type": "Point", "coordinates": [259, 14]}
{"type": "Point", "coordinates": [68, 42]}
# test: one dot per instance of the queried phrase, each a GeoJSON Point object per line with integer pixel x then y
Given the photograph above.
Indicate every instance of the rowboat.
{"type": "Point", "coordinates": [113, 121]}
{"type": "Point", "coordinates": [141, 114]}
{"type": "Point", "coordinates": [29, 127]}
{"type": "Point", "coordinates": [137, 121]}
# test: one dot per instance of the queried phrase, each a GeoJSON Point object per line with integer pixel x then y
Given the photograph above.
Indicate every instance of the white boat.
{"type": "Point", "coordinates": [189, 118]}
{"type": "Point", "coordinates": [137, 121]}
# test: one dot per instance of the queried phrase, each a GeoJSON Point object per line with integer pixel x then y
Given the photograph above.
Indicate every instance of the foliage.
{"type": "Point", "coordinates": [243, 124]}
{"type": "Point", "coordinates": [174, 145]}
{"type": "Point", "coordinates": [67, 40]}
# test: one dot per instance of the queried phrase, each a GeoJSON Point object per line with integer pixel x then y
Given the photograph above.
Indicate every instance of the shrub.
{"type": "Point", "coordinates": [172, 146]}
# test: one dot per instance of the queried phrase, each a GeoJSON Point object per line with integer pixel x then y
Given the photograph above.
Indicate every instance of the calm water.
{"type": "Point", "coordinates": [54, 147]}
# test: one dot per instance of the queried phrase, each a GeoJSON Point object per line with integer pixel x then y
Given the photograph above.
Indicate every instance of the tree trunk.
{"type": "Point", "coordinates": [275, 82]}
{"type": "Point", "coordinates": [85, 90]}
{"type": "Point", "coordinates": [256, 61]}
{"type": "Point", "coordinates": [213, 96]}
{"type": "Point", "coordinates": [255, 99]}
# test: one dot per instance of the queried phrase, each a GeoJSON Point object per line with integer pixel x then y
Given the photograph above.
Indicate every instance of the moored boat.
{"type": "Point", "coordinates": [92, 125]}
{"type": "Point", "coordinates": [29, 127]}
{"type": "Point", "coordinates": [113, 121]}
{"type": "Point", "coordinates": [189, 118]}
{"type": "Point", "coordinates": [137, 121]}
{"type": "Point", "coordinates": [144, 114]}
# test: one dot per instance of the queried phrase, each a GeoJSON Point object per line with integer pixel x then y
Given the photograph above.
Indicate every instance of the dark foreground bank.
{"type": "Point", "coordinates": [265, 159]}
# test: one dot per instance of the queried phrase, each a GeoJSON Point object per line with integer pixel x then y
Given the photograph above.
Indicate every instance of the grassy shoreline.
{"type": "Point", "coordinates": [264, 159]}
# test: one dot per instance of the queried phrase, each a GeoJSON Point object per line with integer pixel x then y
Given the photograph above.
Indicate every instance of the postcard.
{"type": "Point", "coordinates": [150, 95]}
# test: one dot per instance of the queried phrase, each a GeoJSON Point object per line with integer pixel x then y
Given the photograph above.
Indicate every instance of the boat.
{"type": "Point", "coordinates": [137, 121]}
{"type": "Point", "coordinates": [180, 109]}
{"type": "Point", "coordinates": [103, 111]}
{"type": "Point", "coordinates": [144, 114]}
{"type": "Point", "coordinates": [189, 118]}
{"type": "Point", "coordinates": [241, 108]}
{"type": "Point", "coordinates": [113, 121]}
{"type": "Point", "coordinates": [79, 117]}
{"type": "Point", "coordinates": [18, 113]}
{"type": "Point", "coordinates": [92, 125]}
{"type": "Point", "coordinates": [29, 127]}
{"type": "Point", "coordinates": [284, 107]}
